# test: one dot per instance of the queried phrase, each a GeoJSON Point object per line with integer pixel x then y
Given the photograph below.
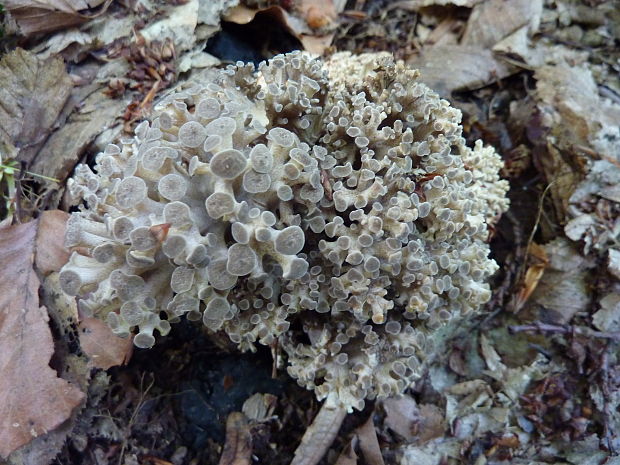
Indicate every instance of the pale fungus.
{"type": "Point", "coordinates": [340, 196]}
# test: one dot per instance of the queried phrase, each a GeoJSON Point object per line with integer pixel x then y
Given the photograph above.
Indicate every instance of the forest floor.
{"type": "Point", "coordinates": [535, 379]}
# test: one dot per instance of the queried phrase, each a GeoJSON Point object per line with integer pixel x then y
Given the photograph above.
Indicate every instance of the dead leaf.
{"type": "Point", "coordinates": [614, 263]}
{"type": "Point", "coordinates": [608, 317]}
{"type": "Point", "coordinates": [493, 20]}
{"type": "Point", "coordinates": [65, 147]}
{"type": "Point", "coordinates": [259, 407]}
{"type": "Point", "coordinates": [38, 16]}
{"type": "Point", "coordinates": [35, 400]}
{"type": "Point", "coordinates": [33, 94]}
{"type": "Point", "coordinates": [54, 255]}
{"type": "Point", "coordinates": [416, 423]}
{"type": "Point", "coordinates": [316, 44]}
{"type": "Point", "coordinates": [533, 274]}
{"type": "Point", "coordinates": [470, 68]}
{"type": "Point", "coordinates": [348, 455]}
{"type": "Point", "coordinates": [103, 348]}
{"type": "Point", "coordinates": [238, 446]}
{"type": "Point", "coordinates": [415, 5]}
{"type": "Point", "coordinates": [320, 435]}
{"type": "Point", "coordinates": [318, 13]}
{"type": "Point", "coordinates": [369, 444]}
{"type": "Point", "coordinates": [563, 289]}
{"type": "Point", "coordinates": [178, 23]}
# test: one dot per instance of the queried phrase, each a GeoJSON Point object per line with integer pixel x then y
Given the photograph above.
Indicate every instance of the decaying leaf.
{"type": "Point", "coordinates": [318, 13]}
{"type": "Point", "coordinates": [470, 68]}
{"type": "Point", "coordinates": [564, 289]}
{"type": "Point", "coordinates": [494, 20]}
{"type": "Point", "coordinates": [259, 407]}
{"type": "Point", "coordinates": [319, 435]}
{"type": "Point", "coordinates": [35, 400]}
{"type": "Point", "coordinates": [569, 95]}
{"type": "Point", "coordinates": [613, 265]}
{"type": "Point", "coordinates": [33, 94]}
{"type": "Point", "coordinates": [178, 23]}
{"type": "Point", "coordinates": [608, 317]}
{"type": "Point", "coordinates": [369, 444]}
{"type": "Point", "coordinates": [238, 446]}
{"type": "Point", "coordinates": [417, 4]}
{"type": "Point", "coordinates": [65, 146]}
{"type": "Point", "coordinates": [348, 456]}
{"type": "Point", "coordinates": [102, 347]}
{"type": "Point", "coordinates": [37, 16]}
{"type": "Point", "coordinates": [533, 274]}
{"type": "Point", "coordinates": [416, 423]}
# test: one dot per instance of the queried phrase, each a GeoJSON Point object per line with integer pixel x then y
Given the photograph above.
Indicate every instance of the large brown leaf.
{"type": "Point", "coordinates": [470, 67]}
{"type": "Point", "coordinates": [32, 94]}
{"type": "Point", "coordinates": [35, 16]}
{"type": "Point", "coordinates": [33, 399]}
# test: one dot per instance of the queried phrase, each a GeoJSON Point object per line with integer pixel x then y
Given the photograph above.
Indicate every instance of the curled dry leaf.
{"type": "Point", "coordinates": [37, 16]}
{"type": "Point", "coordinates": [238, 446]}
{"type": "Point", "coordinates": [533, 274]}
{"type": "Point", "coordinates": [34, 399]}
{"type": "Point", "coordinates": [33, 94]}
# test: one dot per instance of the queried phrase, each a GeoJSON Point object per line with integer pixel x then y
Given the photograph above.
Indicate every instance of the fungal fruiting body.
{"type": "Point", "coordinates": [331, 207]}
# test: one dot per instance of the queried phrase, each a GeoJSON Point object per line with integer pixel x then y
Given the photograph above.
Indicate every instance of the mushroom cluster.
{"type": "Point", "coordinates": [332, 208]}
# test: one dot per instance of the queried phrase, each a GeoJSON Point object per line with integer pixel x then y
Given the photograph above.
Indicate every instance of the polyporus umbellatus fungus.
{"type": "Point", "coordinates": [337, 196]}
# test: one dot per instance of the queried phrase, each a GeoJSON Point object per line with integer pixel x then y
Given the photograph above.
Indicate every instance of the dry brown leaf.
{"type": "Point", "coordinates": [241, 14]}
{"type": "Point", "coordinates": [66, 145]}
{"type": "Point", "coordinates": [470, 68]}
{"type": "Point", "coordinates": [34, 16]}
{"type": "Point", "coordinates": [318, 13]}
{"type": "Point", "coordinates": [54, 255]}
{"type": "Point", "coordinates": [33, 94]}
{"type": "Point", "coordinates": [369, 444]}
{"type": "Point", "coordinates": [35, 400]}
{"type": "Point", "coordinates": [238, 446]}
{"type": "Point", "coordinates": [400, 414]}
{"type": "Point", "coordinates": [533, 274]}
{"type": "Point", "coordinates": [316, 44]}
{"type": "Point", "coordinates": [103, 348]}
{"type": "Point", "coordinates": [493, 20]}
{"type": "Point", "coordinates": [416, 423]}
{"type": "Point", "coordinates": [563, 290]}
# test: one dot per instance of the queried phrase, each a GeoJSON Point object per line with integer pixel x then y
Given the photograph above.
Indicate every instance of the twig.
{"type": "Point", "coordinates": [568, 329]}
